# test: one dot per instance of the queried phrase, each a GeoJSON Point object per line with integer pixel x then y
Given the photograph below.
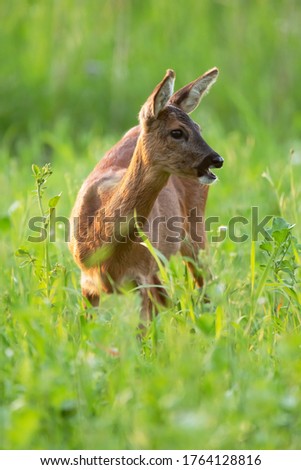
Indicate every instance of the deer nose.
{"type": "Point", "coordinates": [216, 160]}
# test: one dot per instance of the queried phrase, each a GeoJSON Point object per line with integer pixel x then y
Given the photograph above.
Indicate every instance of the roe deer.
{"type": "Point", "coordinates": [157, 174]}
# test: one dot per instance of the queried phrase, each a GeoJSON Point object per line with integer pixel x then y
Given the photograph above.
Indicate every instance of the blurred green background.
{"type": "Point", "coordinates": [91, 64]}
{"type": "Point", "coordinates": [223, 375]}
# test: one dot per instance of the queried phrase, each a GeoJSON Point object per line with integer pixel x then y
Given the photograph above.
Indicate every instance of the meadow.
{"type": "Point", "coordinates": [218, 375]}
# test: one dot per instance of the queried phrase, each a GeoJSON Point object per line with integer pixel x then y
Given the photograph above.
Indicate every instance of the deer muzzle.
{"type": "Point", "coordinates": [213, 160]}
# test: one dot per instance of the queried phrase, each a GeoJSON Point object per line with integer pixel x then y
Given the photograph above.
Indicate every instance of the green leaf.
{"type": "Point", "coordinates": [54, 200]}
{"type": "Point", "coordinates": [219, 321]}
{"type": "Point", "coordinates": [280, 236]}
{"type": "Point", "coordinates": [21, 252]}
{"type": "Point", "coordinates": [206, 323]}
{"type": "Point", "coordinates": [4, 223]}
{"type": "Point", "coordinates": [280, 224]}
{"type": "Point", "coordinates": [266, 246]}
{"type": "Point", "coordinates": [280, 229]}
{"type": "Point", "coordinates": [291, 293]}
{"type": "Point", "coordinates": [35, 169]}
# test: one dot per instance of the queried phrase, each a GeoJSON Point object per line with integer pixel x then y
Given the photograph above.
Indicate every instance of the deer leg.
{"type": "Point", "coordinates": [191, 250]}
{"type": "Point", "coordinates": [152, 297]}
{"type": "Point", "coordinates": [89, 290]}
{"type": "Point", "coordinates": [199, 280]}
{"type": "Point", "coordinates": [92, 298]}
{"type": "Point", "coordinates": [158, 293]}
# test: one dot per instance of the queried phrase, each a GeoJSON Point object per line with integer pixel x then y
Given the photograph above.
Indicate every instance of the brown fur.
{"type": "Point", "coordinates": [150, 174]}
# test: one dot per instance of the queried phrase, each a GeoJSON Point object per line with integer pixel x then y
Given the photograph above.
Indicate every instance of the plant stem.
{"type": "Point", "coordinates": [46, 252]}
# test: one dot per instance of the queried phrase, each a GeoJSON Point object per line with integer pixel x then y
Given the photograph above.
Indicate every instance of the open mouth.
{"type": "Point", "coordinates": [205, 175]}
{"type": "Point", "coordinates": [209, 174]}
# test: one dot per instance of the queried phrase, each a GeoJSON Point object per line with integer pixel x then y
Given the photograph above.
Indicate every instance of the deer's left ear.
{"type": "Point", "coordinates": [159, 98]}
{"type": "Point", "coordinates": [189, 97]}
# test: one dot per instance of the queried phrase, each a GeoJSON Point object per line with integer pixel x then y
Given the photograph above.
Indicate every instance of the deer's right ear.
{"type": "Point", "coordinates": [158, 99]}
{"type": "Point", "coordinates": [189, 97]}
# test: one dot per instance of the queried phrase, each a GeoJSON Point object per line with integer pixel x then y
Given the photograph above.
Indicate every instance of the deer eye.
{"type": "Point", "coordinates": [177, 134]}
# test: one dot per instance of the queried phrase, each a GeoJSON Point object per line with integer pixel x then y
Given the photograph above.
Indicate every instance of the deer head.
{"type": "Point", "coordinates": [171, 140]}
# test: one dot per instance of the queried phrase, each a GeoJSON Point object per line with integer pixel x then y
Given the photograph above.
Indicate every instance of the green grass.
{"type": "Point", "coordinates": [221, 375]}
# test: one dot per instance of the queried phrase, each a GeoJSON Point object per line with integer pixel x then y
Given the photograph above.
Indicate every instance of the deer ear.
{"type": "Point", "coordinates": [189, 97]}
{"type": "Point", "coordinates": [159, 98]}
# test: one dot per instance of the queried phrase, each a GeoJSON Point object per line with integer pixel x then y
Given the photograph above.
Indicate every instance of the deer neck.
{"type": "Point", "coordinates": [139, 187]}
